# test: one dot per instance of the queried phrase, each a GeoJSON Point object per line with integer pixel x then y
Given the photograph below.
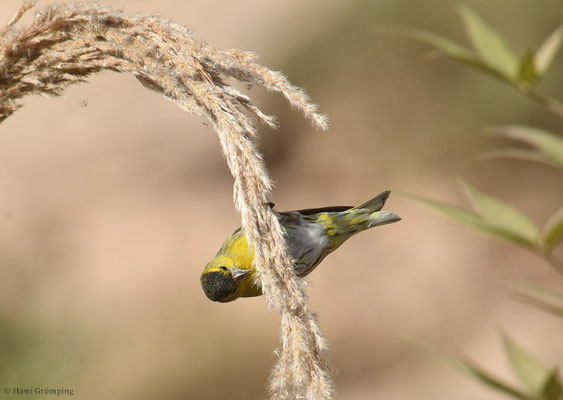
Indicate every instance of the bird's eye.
{"type": "Point", "coordinates": [223, 268]}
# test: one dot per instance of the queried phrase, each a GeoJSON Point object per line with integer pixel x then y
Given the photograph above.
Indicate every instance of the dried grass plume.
{"type": "Point", "coordinates": [67, 42]}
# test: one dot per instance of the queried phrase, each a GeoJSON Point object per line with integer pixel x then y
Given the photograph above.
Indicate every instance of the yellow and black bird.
{"type": "Point", "coordinates": [311, 235]}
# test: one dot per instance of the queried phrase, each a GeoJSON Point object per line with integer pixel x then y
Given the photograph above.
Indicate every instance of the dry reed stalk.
{"type": "Point", "coordinates": [67, 42]}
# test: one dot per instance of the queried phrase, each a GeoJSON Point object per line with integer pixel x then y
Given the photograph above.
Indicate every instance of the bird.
{"type": "Point", "coordinates": [311, 235]}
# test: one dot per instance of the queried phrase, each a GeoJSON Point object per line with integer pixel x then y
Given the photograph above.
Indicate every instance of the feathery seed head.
{"type": "Point", "coordinates": [68, 42]}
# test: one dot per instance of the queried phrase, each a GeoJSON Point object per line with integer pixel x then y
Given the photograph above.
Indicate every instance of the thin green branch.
{"type": "Point", "coordinates": [551, 104]}
{"type": "Point", "coordinates": [554, 262]}
{"type": "Point", "coordinates": [550, 259]}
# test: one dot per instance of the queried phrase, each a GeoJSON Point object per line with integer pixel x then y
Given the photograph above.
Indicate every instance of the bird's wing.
{"type": "Point", "coordinates": [311, 211]}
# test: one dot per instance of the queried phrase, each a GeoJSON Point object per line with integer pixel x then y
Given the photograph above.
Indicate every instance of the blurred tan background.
{"type": "Point", "coordinates": [112, 200]}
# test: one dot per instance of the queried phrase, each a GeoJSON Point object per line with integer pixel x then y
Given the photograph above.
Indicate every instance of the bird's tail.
{"type": "Point", "coordinates": [382, 218]}
{"type": "Point", "coordinates": [369, 214]}
{"type": "Point", "coordinates": [376, 203]}
{"type": "Point", "coordinates": [342, 225]}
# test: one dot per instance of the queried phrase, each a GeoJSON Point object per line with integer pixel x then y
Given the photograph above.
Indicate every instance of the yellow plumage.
{"type": "Point", "coordinates": [311, 235]}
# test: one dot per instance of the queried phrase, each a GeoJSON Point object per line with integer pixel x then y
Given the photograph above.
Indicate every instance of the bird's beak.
{"type": "Point", "coordinates": [238, 274]}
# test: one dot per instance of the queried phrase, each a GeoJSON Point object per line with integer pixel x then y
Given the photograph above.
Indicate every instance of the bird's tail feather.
{"type": "Point", "coordinates": [382, 218]}
{"type": "Point", "coordinates": [376, 203]}
{"type": "Point", "coordinates": [340, 226]}
{"type": "Point", "coordinates": [364, 216]}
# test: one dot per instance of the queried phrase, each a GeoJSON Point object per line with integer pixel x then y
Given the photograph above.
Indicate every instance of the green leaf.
{"type": "Point", "coordinates": [547, 51]}
{"type": "Point", "coordinates": [476, 372]}
{"type": "Point", "coordinates": [490, 45]}
{"type": "Point", "coordinates": [527, 368]}
{"type": "Point", "coordinates": [527, 70]}
{"type": "Point", "coordinates": [537, 296]}
{"type": "Point", "coordinates": [455, 213]}
{"type": "Point", "coordinates": [553, 389]}
{"type": "Point", "coordinates": [446, 46]}
{"type": "Point", "coordinates": [547, 143]}
{"type": "Point", "coordinates": [520, 154]}
{"type": "Point", "coordinates": [497, 213]}
{"type": "Point", "coordinates": [468, 218]}
{"type": "Point", "coordinates": [553, 231]}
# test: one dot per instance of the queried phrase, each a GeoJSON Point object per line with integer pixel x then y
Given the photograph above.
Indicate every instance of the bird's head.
{"type": "Point", "coordinates": [221, 279]}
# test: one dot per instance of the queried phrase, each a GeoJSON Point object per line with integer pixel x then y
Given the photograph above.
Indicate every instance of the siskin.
{"type": "Point", "coordinates": [310, 235]}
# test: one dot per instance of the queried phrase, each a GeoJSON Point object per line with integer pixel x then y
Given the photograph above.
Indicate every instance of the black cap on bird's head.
{"type": "Point", "coordinates": [218, 285]}
{"type": "Point", "coordinates": [221, 284]}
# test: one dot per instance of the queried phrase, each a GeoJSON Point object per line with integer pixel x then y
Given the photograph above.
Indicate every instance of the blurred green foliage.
{"type": "Point", "coordinates": [543, 146]}
{"type": "Point", "coordinates": [492, 55]}
{"type": "Point", "coordinates": [540, 382]}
